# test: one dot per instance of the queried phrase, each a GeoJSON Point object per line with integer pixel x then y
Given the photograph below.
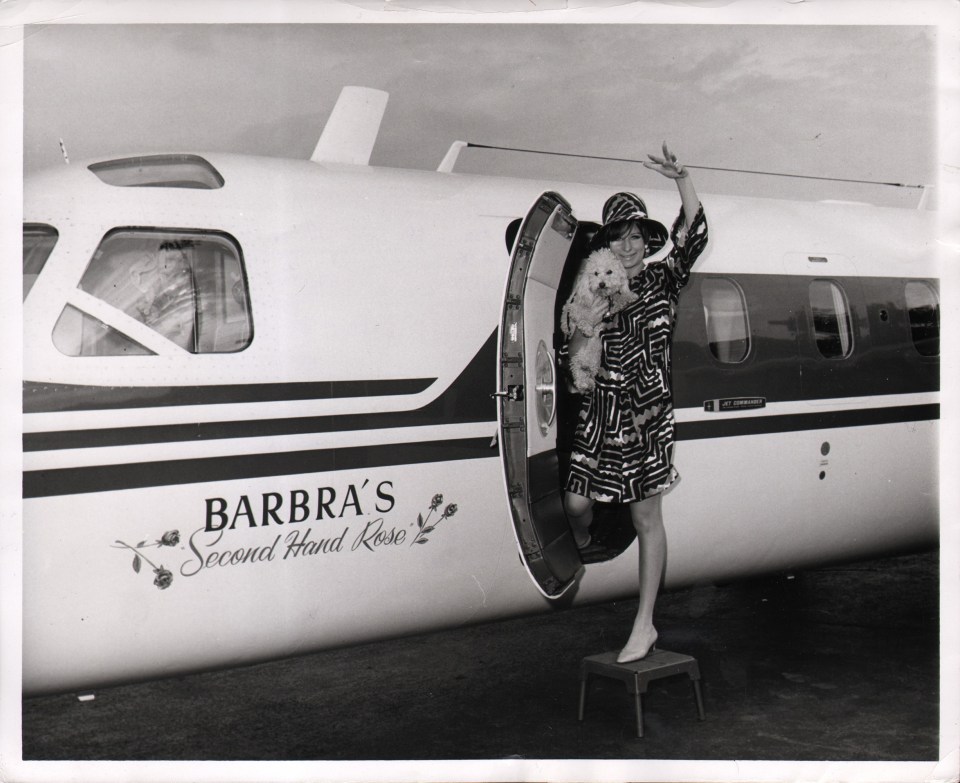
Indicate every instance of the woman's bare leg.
{"type": "Point", "coordinates": [580, 514]}
{"type": "Point", "coordinates": [647, 518]}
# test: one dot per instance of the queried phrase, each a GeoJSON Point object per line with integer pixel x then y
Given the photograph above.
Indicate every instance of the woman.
{"type": "Point", "coordinates": [623, 448]}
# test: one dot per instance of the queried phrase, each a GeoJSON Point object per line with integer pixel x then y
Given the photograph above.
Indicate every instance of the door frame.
{"type": "Point", "coordinates": [527, 383]}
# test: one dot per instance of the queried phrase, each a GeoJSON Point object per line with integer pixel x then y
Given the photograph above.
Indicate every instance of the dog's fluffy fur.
{"type": "Point", "coordinates": [602, 277]}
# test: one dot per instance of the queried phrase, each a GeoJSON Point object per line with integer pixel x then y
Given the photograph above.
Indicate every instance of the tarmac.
{"type": "Point", "coordinates": [835, 664]}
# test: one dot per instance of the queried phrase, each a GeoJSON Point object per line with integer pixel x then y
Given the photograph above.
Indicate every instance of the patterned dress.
{"type": "Point", "coordinates": [623, 448]}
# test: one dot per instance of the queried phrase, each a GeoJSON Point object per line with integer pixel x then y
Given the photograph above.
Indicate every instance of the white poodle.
{"type": "Point", "coordinates": [602, 276]}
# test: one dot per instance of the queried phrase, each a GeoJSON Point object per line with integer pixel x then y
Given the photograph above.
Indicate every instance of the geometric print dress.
{"type": "Point", "coordinates": [623, 448]}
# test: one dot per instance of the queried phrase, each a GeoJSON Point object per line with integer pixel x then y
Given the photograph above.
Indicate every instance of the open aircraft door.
{"type": "Point", "coordinates": [528, 390]}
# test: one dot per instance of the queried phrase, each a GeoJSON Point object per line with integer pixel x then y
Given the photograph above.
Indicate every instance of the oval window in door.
{"type": "Point", "coordinates": [546, 388]}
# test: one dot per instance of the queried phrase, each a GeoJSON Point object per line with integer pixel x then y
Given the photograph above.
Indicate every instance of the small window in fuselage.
{"type": "Point", "coordinates": [832, 325]}
{"type": "Point", "coordinates": [725, 315]}
{"type": "Point", "coordinates": [38, 242]}
{"type": "Point", "coordinates": [188, 287]}
{"type": "Point", "coordinates": [159, 171]}
{"type": "Point", "coordinates": [923, 309]}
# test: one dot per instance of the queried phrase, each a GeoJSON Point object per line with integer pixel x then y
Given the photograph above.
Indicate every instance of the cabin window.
{"type": "Point", "coordinates": [923, 309]}
{"type": "Point", "coordinates": [725, 314]}
{"type": "Point", "coordinates": [188, 287]}
{"type": "Point", "coordinates": [831, 319]}
{"type": "Point", "coordinates": [38, 242]}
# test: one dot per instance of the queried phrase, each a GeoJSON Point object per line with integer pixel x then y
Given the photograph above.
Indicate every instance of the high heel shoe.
{"type": "Point", "coordinates": [625, 657]}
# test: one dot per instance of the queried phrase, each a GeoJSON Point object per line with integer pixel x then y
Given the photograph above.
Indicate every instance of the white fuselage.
{"type": "Point", "coordinates": [297, 513]}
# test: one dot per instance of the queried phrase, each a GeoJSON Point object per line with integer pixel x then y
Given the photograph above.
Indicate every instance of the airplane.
{"type": "Point", "coordinates": [345, 420]}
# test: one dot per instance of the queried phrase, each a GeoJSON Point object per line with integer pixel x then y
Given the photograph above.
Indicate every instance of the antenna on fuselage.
{"type": "Point", "coordinates": [63, 151]}
{"type": "Point", "coordinates": [908, 186]}
{"type": "Point", "coordinates": [352, 128]}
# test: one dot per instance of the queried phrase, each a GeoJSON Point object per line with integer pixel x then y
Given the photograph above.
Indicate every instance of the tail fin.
{"type": "Point", "coordinates": [351, 130]}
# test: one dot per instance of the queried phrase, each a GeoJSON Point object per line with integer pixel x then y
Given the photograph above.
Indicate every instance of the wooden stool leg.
{"type": "Point", "coordinates": [638, 703]}
{"type": "Point", "coordinates": [636, 676]}
{"type": "Point", "coordinates": [639, 708]}
{"type": "Point", "coordinates": [696, 693]}
{"type": "Point", "coordinates": [583, 693]}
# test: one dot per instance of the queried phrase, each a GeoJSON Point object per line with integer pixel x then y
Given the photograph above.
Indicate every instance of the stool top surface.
{"type": "Point", "coordinates": [655, 659]}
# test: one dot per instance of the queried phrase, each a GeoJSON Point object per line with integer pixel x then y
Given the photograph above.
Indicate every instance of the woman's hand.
{"type": "Point", "coordinates": [667, 165]}
{"type": "Point", "coordinates": [600, 315]}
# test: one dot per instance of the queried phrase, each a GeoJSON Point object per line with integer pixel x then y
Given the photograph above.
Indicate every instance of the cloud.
{"type": "Point", "coordinates": [796, 98]}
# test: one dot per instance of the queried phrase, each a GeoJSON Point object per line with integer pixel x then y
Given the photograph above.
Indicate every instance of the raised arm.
{"type": "Point", "coordinates": [668, 167]}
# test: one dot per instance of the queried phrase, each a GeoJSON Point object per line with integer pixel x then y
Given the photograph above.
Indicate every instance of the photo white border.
{"type": "Point", "coordinates": [944, 14]}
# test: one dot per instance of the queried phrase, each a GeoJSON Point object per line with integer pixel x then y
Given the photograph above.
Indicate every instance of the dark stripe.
{"type": "Point", "coordinates": [797, 422]}
{"type": "Point", "coordinates": [125, 436]}
{"type": "Point", "coordinates": [466, 400]}
{"type": "Point", "coordinates": [54, 397]}
{"type": "Point", "coordinates": [784, 363]}
{"type": "Point", "coordinates": [104, 478]}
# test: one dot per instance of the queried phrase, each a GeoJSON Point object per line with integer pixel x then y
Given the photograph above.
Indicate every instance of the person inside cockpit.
{"type": "Point", "coordinates": [167, 302]}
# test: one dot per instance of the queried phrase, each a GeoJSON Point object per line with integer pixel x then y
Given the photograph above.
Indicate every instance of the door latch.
{"type": "Point", "coordinates": [514, 392]}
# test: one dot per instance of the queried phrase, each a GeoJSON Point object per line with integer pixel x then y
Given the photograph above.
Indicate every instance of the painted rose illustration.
{"type": "Point", "coordinates": [170, 538]}
{"type": "Point", "coordinates": [164, 577]}
{"type": "Point", "coordinates": [423, 526]}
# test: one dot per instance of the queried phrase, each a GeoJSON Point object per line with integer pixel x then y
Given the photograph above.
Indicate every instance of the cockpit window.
{"type": "Point", "coordinates": [38, 242]}
{"type": "Point", "coordinates": [187, 287]}
{"type": "Point", "coordinates": [159, 171]}
{"type": "Point", "coordinates": [79, 334]}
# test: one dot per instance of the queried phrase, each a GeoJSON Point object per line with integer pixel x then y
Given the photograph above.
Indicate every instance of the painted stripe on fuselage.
{"type": "Point", "coordinates": [48, 397]}
{"type": "Point", "coordinates": [467, 399]}
{"type": "Point", "coordinates": [104, 478]}
{"type": "Point", "coordinates": [101, 478]}
{"type": "Point", "coordinates": [816, 420]}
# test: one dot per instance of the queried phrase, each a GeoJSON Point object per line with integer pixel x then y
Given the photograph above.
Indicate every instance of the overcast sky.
{"type": "Point", "coordinates": [830, 101]}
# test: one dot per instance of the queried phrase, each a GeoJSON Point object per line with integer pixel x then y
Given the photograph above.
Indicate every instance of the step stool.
{"type": "Point", "coordinates": [636, 675]}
